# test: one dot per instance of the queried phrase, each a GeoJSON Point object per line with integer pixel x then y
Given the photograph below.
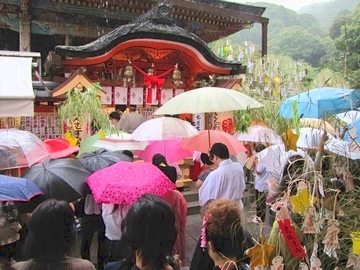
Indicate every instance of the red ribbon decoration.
{"type": "Point", "coordinates": [291, 238]}
{"type": "Point", "coordinates": [151, 81]}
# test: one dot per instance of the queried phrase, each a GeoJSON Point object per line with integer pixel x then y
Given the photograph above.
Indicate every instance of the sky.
{"type": "Point", "coordinates": [291, 4]}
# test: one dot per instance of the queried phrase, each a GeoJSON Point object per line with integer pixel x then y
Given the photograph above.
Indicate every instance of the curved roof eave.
{"type": "Point", "coordinates": [144, 30]}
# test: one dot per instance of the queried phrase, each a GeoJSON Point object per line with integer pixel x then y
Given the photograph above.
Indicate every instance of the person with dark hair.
{"type": "Point", "coordinates": [209, 167]}
{"type": "Point", "coordinates": [170, 171]}
{"type": "Point", "coordinates": [129, 154]}
{"type": "Point", "coordinates": [227, 181]}
{"type": "Point", "coordinates": [149, 231]}
{"type": "Point", "coordinates": [51, 239]}
{"type": "Point", "coordinates": [114, 119]}
{"type": "Point", "coordinates": [130, 121]}
{"type": "Point", "coordinates": [120, 109]}
{"type": "Point", "coordinates": [261, 186]}
{"type": "Point", "coordinates": [9, 230]}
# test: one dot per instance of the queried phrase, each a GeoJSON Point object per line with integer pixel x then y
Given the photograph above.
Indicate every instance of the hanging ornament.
{"type": "Point", "coordinates": [128, 75]}
{"type": "Point", "coordinates": [277, 263]}
{"type": "Point", "coordinates": [315, 263]}
{"type": "Point", "coordinates": [260, 253]}
{"type": "Point", "coordinates": [310, 225]}
{"type": "Point", "coordinates": [355, 237]}
{"type": "Point", "coordinates": [353, 261]}
{"type": "Point", "coordinates": [153, 81]}
{"type": "Point", "coordinates": [70, 138]}
{"type": "Point", "coordinates": [291, 238]}
{"type": "Point", "coordinates": [290, 139]}
{"type": "Point", "coordinates": [102, 134]}
{"type": "Point", "coordinates": [331, 239]}
{"type": "Point", "coordinates": [302, 199]}
{"type": "Point", "coordinates": [176, 77]}
{"type": "Point", "coordinates": [303, 266]}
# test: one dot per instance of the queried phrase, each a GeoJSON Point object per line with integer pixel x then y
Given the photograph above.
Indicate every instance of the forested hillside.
{"type": "Point", "coordinates": [302, 54]}
{"type": "Point", "coordinates": [328, 11]}
{"type": "Point", "coordinates": [303, 38]}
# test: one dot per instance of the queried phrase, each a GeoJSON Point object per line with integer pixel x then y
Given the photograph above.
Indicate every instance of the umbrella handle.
{"type": "Point", "coordinates": [209, 139]}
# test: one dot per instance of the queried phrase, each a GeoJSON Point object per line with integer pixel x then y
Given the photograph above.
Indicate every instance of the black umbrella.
{"type": "Point", "coordinates": [62, 179]}
{"type": "Point", "coordinates": [100, 159]}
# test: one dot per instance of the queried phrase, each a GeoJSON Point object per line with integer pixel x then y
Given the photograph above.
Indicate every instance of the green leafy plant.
{"type": "Point", "coordinates": [84, 105]}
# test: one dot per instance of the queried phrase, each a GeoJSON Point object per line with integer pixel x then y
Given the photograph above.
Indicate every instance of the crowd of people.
{"type": "Point", "coordinates": [150, 233]}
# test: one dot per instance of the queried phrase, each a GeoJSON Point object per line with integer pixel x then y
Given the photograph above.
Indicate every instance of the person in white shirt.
{"type": "Point", "coordinates": [227, 181]}
{"type": "Point", "coordinates": [113, 215]}
{"type": "Point", "coordinates": [261, 186]}
{"type": "Point", "coordinates": [130, 121]}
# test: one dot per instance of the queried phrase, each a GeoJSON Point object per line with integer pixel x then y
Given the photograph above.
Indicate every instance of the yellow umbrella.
{"type": "Point", "coordinates": [318, 124]}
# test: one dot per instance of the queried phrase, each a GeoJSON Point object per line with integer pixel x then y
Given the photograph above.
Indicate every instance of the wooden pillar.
{"type": "Point", "coordinates": [264, 38]}
{"type": "Point", "coordinates": [24, 27]}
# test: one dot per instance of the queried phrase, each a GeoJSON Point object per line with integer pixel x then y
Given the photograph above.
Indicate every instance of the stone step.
{"type": "Point", "coordinates": [191, 195]}
{"type": "Point", "coordinates": [193, 208]}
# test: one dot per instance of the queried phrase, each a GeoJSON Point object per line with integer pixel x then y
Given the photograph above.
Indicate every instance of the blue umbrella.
{"type": "Point", "coordinates": [321, 102]}
{"type": "Point", "coordinates": [17, 189]}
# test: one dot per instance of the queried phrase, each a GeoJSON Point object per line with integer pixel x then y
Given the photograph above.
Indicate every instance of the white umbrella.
{"type": "Point", "coordinates": [275, 157]}
{"type": "Point", "coordinates": [164, 128]}
{"type": "Point", "coordinates": [258, 133]}
{"type": "Point", "coordinates": [310, 139]}
{"type": "Point", "coordinates": [206, 100]}
{"type": "Point", "coordinates": [343, 148]}
{"type": "Point", "coordinates": [121, 141]}
{"type": "Point", "coordinates": [349, 117]}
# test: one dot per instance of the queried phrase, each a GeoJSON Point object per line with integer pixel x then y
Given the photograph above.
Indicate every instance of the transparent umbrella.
{"type": "Point", "coordinates": [258, 133]}
{"type": "Point", "coordinates": [164, 128]}
{"type": "Point", "coordinates": [19, 148]}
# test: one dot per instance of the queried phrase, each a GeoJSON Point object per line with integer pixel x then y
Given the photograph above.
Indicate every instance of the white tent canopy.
{"type": "Point", "coordinates": [16, 90]}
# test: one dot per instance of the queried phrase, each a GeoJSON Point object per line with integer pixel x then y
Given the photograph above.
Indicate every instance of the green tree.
{"type": "Point", "coordinates": [348, 46]}
{"type": "Point", "coordinates": [338, 24]}
{"type": "Point", "coordinates": [85, 105]}
{"type": "Point", "coordinates": [300, 45]}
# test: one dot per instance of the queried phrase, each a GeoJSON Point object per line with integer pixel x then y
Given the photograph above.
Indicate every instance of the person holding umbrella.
{"type": "Point", "coordinates": [227, 181]}
{"type": "Point", "coordinates": [170, 171]}
{"type": "Point", "coordinates": [130, 121]}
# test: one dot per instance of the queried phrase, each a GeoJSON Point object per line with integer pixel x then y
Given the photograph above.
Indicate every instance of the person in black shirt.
{"type": "Point", "coordinates": [170, 171]}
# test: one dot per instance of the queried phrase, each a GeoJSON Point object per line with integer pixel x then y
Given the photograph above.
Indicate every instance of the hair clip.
{"type": "Point", "coordinates": [203, 233]}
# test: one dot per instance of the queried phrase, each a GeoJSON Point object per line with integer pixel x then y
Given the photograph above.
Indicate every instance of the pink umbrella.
{"type": "Point", "coordinates": [169, 148]}
{"type": "Point", "coordinates": [207, 138]}
{"type": "Point", "coordinates": [125, 182]}
{"type": "Point", "coordinates": [60, 148]}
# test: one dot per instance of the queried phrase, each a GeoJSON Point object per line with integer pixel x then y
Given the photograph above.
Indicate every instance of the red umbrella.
{"type": "Point", "coordinates": [207, 138]}
{"type": "Point", "coordinates": [170, 149]}
{"type": "Point", "coordinates": [59, 148]}
{"type": "Point", "coordinates": [125, 182]}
